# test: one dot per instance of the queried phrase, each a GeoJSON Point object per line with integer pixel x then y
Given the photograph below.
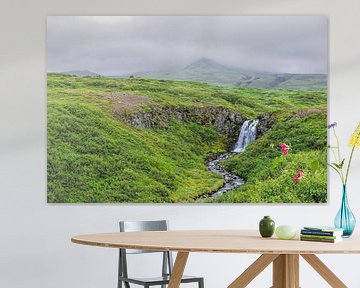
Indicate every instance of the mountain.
{"type": "Point", "coordinates": [205, 63]}
{"type": "Point", "coordinates": [209, 71]}
{"type": "Point", "coordinates": [81, 73]}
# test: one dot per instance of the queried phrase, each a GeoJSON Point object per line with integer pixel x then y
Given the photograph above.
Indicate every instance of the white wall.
{"type": "Point", "coordinates": [35, 248]}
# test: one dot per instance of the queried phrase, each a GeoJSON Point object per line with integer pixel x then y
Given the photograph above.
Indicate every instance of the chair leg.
{"type": "Point", "coordinates": [126, 284]}
{"type": "Point", "coordinates": [201, 283]}
{"type": "Point", "coordinates": [119, 270]}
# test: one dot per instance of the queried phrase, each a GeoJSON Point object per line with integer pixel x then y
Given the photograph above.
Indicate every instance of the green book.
{"type": "Point", "coordinates": [319, 236]}
{"type": "Point", "coordinates": [325, 240]}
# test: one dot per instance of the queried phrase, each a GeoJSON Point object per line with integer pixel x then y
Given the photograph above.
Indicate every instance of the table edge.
{"type": "Point", "coordinates": [203, 250]}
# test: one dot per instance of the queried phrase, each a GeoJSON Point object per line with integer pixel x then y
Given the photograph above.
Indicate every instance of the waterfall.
{"type": "Point", "coordinates": [247, 135]}
{"type": "Point", "coordinates": [232, 181]}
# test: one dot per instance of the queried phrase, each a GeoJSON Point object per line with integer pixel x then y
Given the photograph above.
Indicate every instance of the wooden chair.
{"type": "Point", "coordinates": [167, 262]}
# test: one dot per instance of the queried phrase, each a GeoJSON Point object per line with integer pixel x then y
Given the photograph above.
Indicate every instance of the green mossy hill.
{"type": "Point", "coordinates": [94, 156]}
{"type": "Point", "coordinates": [307, 136]}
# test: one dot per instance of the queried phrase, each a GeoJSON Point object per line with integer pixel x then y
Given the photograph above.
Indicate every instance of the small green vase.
{"type": "Point", "coordinates": [267, 227]}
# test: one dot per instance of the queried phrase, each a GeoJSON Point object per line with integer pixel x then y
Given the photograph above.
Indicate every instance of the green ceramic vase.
{"type": "Point", "coordinates": [266, 227]}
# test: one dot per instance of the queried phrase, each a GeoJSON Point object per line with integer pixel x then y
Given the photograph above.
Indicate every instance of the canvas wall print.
{"type": "Point", "coordinates": [180, 109]}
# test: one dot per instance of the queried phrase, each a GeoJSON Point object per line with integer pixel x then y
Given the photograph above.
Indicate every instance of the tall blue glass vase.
{"type": "Point", "coordinates": [345, 219]}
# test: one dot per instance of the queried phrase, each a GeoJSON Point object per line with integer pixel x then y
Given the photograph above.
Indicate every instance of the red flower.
{"type": "Point", "coordinates": [284, 148]}
{"type": "Point", "coordinates": [298, 176]}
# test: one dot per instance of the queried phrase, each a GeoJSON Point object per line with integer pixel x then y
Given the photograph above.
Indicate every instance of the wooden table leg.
{"type": "Point", "coordinates": [286, 271]}
{"type": "Point", "coordinates": [178, 269]}
{"type": "Point", "coordinates": [324, 271]}
{"type": "Point", "coordinates": [293, 261]}
{"type": "Point", "coordinates": [253, 270]}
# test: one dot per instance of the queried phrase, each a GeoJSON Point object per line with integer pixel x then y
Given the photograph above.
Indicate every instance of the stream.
{"type": "Point", "coordinates": [247, 135]}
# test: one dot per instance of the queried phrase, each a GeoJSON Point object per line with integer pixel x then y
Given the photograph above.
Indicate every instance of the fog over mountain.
{"type": "Point", "coordinates": [208, 71]}
{"type": "Point", "coordinates": [119, 45]}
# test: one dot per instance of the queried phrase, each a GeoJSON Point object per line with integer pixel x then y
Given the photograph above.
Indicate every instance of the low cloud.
{"type": "Point", "coordinates": [116, 45]}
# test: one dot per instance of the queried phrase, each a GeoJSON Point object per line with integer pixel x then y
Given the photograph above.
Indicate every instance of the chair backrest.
{"type": "Point", "coordinates": [134, 226]}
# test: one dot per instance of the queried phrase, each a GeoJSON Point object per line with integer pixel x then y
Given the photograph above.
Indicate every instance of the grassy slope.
{"type": "Point", "coordinates": [94, 158]}
{"type": "Point", "coordinates": [244, 79]}
{"type": "Point", "coordinates": [307, 137]}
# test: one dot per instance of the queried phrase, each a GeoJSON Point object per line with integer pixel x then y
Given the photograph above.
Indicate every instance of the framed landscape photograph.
{"type": "Point", "coordinates": [187, 109]}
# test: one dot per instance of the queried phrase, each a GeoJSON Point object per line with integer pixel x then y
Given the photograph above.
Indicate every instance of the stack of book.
{"type": "Point", "coordinates": [321, 234]}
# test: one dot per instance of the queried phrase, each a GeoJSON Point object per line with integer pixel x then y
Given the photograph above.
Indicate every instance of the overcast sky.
{"type": "Point", "coordinates": [116, 45]}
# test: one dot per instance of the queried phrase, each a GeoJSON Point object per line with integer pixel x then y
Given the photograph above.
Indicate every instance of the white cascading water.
{"type": "Point", "coordinates": [247, 135]}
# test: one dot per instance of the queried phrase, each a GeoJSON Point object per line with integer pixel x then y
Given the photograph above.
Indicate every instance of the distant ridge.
{"type": "Point", "coordinates": [212, 72]}
{"type": "Point", "coordinates": [209, 71]}
{"type": "Point", "coordinates": [81, 73]}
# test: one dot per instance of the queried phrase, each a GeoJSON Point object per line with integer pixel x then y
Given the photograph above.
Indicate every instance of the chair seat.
{"type": "Point", "coordinates": [158, 280]}
{"type": "Point", "coordinates": [167, 262]}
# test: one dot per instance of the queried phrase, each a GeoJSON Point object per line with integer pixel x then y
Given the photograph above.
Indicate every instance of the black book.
{"type": "Point", "coordinates": [321, 233]}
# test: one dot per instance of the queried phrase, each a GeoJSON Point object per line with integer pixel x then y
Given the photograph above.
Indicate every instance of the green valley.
{"type": "Point", "coordinates": [115, 140]}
